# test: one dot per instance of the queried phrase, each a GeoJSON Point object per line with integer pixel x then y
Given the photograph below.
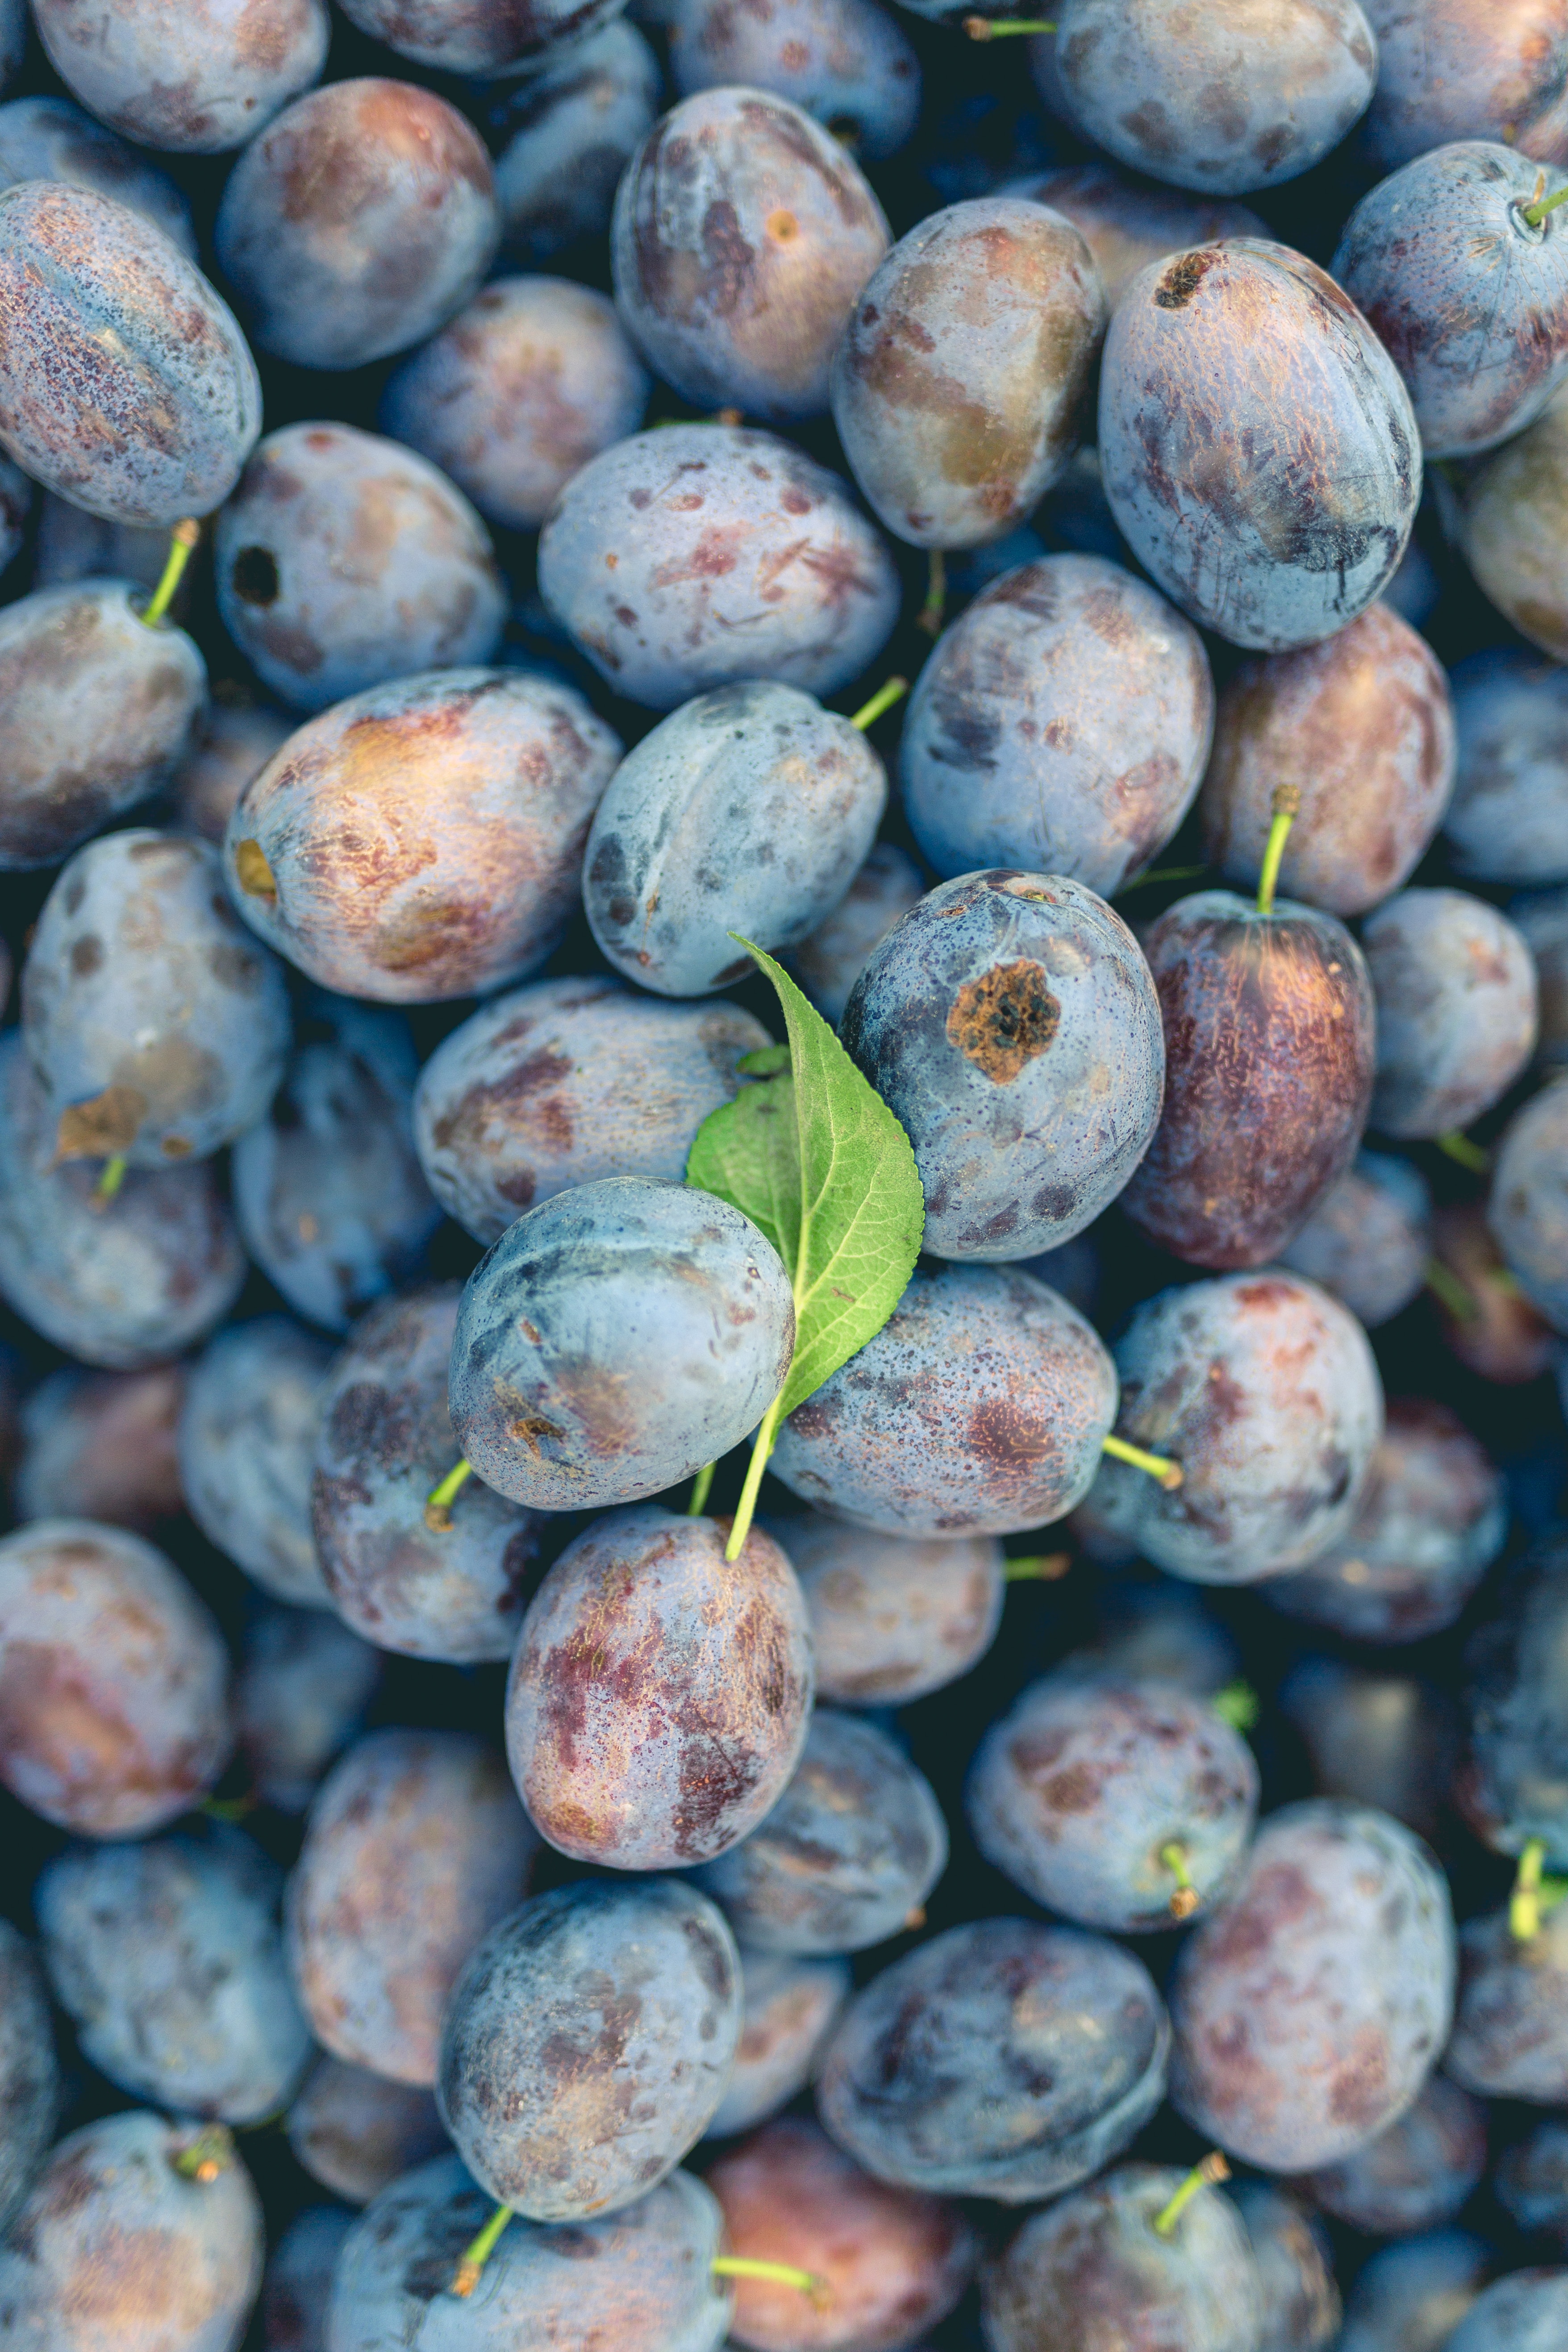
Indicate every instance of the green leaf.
{"type": "Point", "coordinates": [765, 1062]}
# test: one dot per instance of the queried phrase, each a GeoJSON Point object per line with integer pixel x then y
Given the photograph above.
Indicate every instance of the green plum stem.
{"type": "Point", "coordinates": [992, 29]}
{"type": "Point", "coordinates": [477, 2253]}
{"type": "Point", "coordinates": [1524, 1903]}
{"type": "Point", "coordinates": [1236, 1704]}
{"type": "Point", "coordinates": [1287, 801]}
{"type": "Point", "coordinates": [1463, 1152]}
{"type": "Point", "coordinates": [749, 2266]}
{"type": "Point", "coordinates": [110, 1180]}
{"type": "Point", "coordinates": [185, 537]}
{"type": "Point", "coordinates": [761, 1448]}
{"type": "Point", "coordinates": [1212, 2167]}
{"type": "Point", "coordinates": [1168, 1472]}
{"type": "Point", "coordinates": [1158, 873]}
{"type": "Point", "coordinates": [439, 1502]}
{"type": "Point", "coordinates": [1042, 1568]}
{"type": "Point", "coordinates": [1536, 213]}
{"type": "Point", "coordinates": [883, 699]}
{"type": "Point", "coordinates": [1450, 1292]}
{"type": "Point", "coordinates": [701, 1487]}
{"type": "Point", "coordinates": [1184, 1899]}
{"type": "Point", "coordinates": [228, 1809]}
{"type": "Point", "coordinates": [210, 2153]}
{"type": "Point", "coordinates": [931, 611]}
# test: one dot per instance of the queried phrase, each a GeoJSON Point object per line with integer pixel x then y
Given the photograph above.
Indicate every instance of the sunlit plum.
{"type": "Point", "coordinates": [198, 77]}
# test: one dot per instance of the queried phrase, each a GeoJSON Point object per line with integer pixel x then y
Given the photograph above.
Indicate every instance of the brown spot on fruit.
{"type": "Point", "coordinates": [101, 1127]}
{"type": "Point", "coordinates": [253, 873]}
{"type": "Point", "coordinates": [1005, 1019]}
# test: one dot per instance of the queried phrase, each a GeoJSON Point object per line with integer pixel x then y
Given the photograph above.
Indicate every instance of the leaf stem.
{"type": "Point", "coordinates": [1450, 1292]}
{"type": "Point", "coordinates": [1168, 1472]}
{"type": "Point", "coordinates": [1467, 1154]}
{"type": "Point", "coordinates": [762, 1446]}
{"type": "Point", "coordinates": [701, 1487]}
{"type": "Point", "coordinates": [109, 1181]}
{"type": "Point", "coordinates": [478, 2252]}
{"type": "Point", "coordinates": [1203, 2175]}
{"type": "Point", "coordinates": [1162, 874]}
{"type": "Point", "coordinates": [1524, 1903]}
{"type": "Point", "coordinates": [931, 612]}
{"type": "Point", "coordinates": [1536, 213]}
{"type": "Point", "coordinates": [1184, 1898]}
{"type": "Point", "coordinates": [185, 537]}
{"type": "Point", "coordinates": [210, 2153]}
{"type": "Point", "coordinates": [749, 2266]}
{"type": "Point", "coordinates": [883, 699]}
{"type": "Point", "coordinates": [990, 28]}
{"type": "Point", "coordinates": [1044, 1568]}
{"type": "Point", "coordinates": [1287, 801]}
{"type": "Point", "coordinates": [439, 1502]}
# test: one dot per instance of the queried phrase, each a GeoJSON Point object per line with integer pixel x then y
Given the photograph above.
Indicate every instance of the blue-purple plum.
{"type": "Point", "coordinates": [1416, 2174]}
{"type": "Point", "coordinates": [303, 1686]}
{"type": "Point", "coordinates": [1541, 917]}
{"type": "Point", "coordinates": [565, 1082]}
{"type": "Point", "coordinates": [114, 1707]}
{"type": "Point", "coordinates": [1258, 445]}
{"type": "Point", "coordinates": [1532, 2182]}
{"type": "Point", "coordinates": [157, 1027]}
{"type": "Point", "coordinates": [1512, 1787]}
{"type": "Point", "coordinates": [846, 1856]}
{"type": "Point", "coordinates": [587, 2043]}
{"type": "Point", "coordinates": [1127, 222]}
{"type": "Point", "coordinates": [356, 2132]}
{"type": "Point", "coordinates": [385, 1441]}
{"type": "Point", "coordinates": [1004, 2060]}
{"type": "Point", "coordinates": [1526, 2312]}
{"type": "Point", "coordinates": [247, 1446]}
{"type": "Point", "coordinates": [613, 1340]}
{"type": "Point", "coordinates": [1149, 1628]}
{"type": "Point", "coordinates": [166, 1957]}
{"type": "Point", "coordinates": [357, 223]}
{"type": "Point", "coordinates": [750, 809]}
{"type": "Point", "coordinates": [102, 1446]}
{"type": "Point", "coordinates": [1447, 69]}
{"type": "Point", "coordinates": [1368, 1238]}
{"type": "Point", "coordinates": [565, 133]}
{"type": "Point", "coordinates": [29, 2076]}
{"type": "Point", "coordinates": [1510, 523]}
{"type": "Point", "coordinates": [343, 561]}
{"type": "Point", "coordinates": [743, 235]}
{"type": "Point", "coordinates": [1061, 725]}
{"type": "Point", "coordinates": [845, 62]}
{"type": "Point", "coordinates": [198, 77]}
{"type": "Point", "coordinates": [424, 840]}
{"type": "Point", "coordinates": [1510, 2038]}
{"type": "Point", "coordinates": [659, 1694]}
{"type": "Point", "coordinates": [125, 383]}
{"type": "Point", "coordinates": [1295, 2261]}
{"type": "Point", "coordinates": [1411, 2297]}
{"type": "Point", "coordinates": [233, 742]}
{"type": "Point", "coordinates": [50, 139]}
{"type": "Point", "coordinates": [121, 1288]}
{"type": "Point", "coordinates": [1311, 2005]}
{"type": "Point", "coordinates": [1528, 1210]}
{"type": "Point", "coordinates": [1376, 1738]}
{"type": "Point", "coordinates": [479, 39]}
{"type": "Point", "coordinates": [1467, 295]}
{"type": "Point", "coordinates": [980, 1407]}
{"type": "Point", "coordinates": [415, 1846]}
{"type": "Point", "coordinates": [892, 1617]}
{"type": "Point", "coordinates": [831, 958]}
{"type": "Point", "coordinates": [1264, 1390]}
{"type": "Point", "coordinates": [72, 544]}
{"type": "Point", "coordinates": [961, 380]}
{"type": "Point", "coordinates": [691, 557]}
{"type": "Point", "coordinates": [1010, 1023]}
{"type": "Point", "coordinates": [1508, 820]}
{"type": "Point", "coordinates": [1080, 1793]}
{"type": "Point", "coordinates": [791, 2006]}
{"type": "Point", "coordinates": [299, 2279]}
{"type": "Point", "coordinates": [1457, 1010]}
{"type": "Point", "coordinates": [328, 1189]}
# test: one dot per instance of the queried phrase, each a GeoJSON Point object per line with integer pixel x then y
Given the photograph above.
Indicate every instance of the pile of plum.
{"type": "Point", "coordinates": [783, 1176]}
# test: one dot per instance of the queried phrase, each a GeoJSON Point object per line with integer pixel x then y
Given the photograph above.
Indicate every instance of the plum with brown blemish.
{"type": "Point", "coordinates": [303, 1686]}
{"type": "Point", "coordinates": [1528, 1209]}
{"type": "Point", "coordinates": [980, 1407]}
{"type": "Point", "coordinates": [524, 386]}
{"type": "Point", "coordinates": [1531, 2182]}
{"type": "Point", "coordinates": [344, 560]}
{"type": "Point", "coordinates": [190, 76]}
{"type": "Point", "coordinates": [892, 1617]}
{"type": "Point", "coordinates": [1510, 2030]}
{"type": "Point", "coordinates": [1265, 1389]}
{"type": "Point", "coordinates": [1218, 100]}
{"type": "Point", "coordinates": [743, 235]}
{"type": "Point", "coordinates": [356, 2132]}
{"type": "Point", "coordinates": [479, 40]}
{"type": "Point", "coordinates": [141, 2233]}
{"type": "Point", "coordinates": [1128, 221]}
{"type": "Point", "coordinates": [1416, 2174]}
{"type": "Point", "coordinates": [1061, 725]}
{"type": "Point", "coordinates": [384, 1439]}
{"type": "Point", "coordinates": [1010, 1023]}
{"type": "Point", "coordinates": [30, 2090]}
{"type": "Point", "coordinates": [961, 377]}
{"type": "Point", "coordinates": [166, 1956]}
{"type": "Point", "coordinates": [588, 2042]}
{"type": "Point", "coordinates": [123, 1290]}
{"type": "Point", "coordinates": [792, 2004]}
{"type": "Point", "coordinates": [299, 2279]}
{"type": "Point", "coordinates": [357, 223]}
{"type": "Point", "coordinates": [1369, 1237]}
{"type": "Point", "coordinates": [1377, 1739]}
{"type": "Point", "coordinates": [641, 2280]}
{"type": "Point", "coordinates": [1486, 1319]}
{"type": "Point", "coordinates": [1363, 726]}
{"type": "Point", "coordinates": [1448, 70]}
{"type": "Point", "coordinates": [1310, 2007]}
{"type": "Point", "coordinates": [157, 1028]}
{"type": "Point", "coordinates": [1508, 820]}
{"type": "Point", "coordinates": [1457, 1010]}
{"type": "Point", "coordinates": [659, 1694]}
{"type": "Point", "coordinates": [98, 712]}
{"type": "Point", "coordinates": [1099, 2262]}
{"type": "Point", "coordinates": [125, 383]}
{"type": "Point", "coordinates": [102, 1445]}
{"type": "Point", "coordinates": [749, 809]}
{"type": "Point", "coordinates": [846, 1856]}
{"type": "Point", "coordinates": [1433, 1517]}
{"type": "Point", "coordinates": [831, 958]}
{"type": "Point", "coordinates": [414, 1848]}
{"type": "Point", "coordinates": [50, 139]}
{"type": "Point", "coordinates": [565, 133]}
{"type": "Point", "coordinates": [844, 62]}
{"type": "Point", "coordinates": [1004, 2059]}
{"type": "Point", "coordinates": [114, 1713]}
{"type": "Point", "coordinates": [331, 1199]}
{"type": "Point", "coordinates": [567, 1081]}
{"type": "Point", "coordinates": [1118, 1804]}
{"type": "Point", "coordinates": [615, 1339]}
{"type": "Point", "coordinates": [888, 2262]}
{"type": "Point", "coordinates": [424, 840]}
{"type": "Point", "coordinates": [1268, 1025]}
{"type": "Point", "coordinates": [232, 743]}
{"type": "Point", "coordinates": [247, 1446]}
{"type": "Point", "coordinates": [701, 554]}
{"type": "Point", "coordinates": [1512, 513]}
{"type": "Point", "coordinates": [1258, 448]}
{"type": "Point", "coordinates": [1295, 2262]}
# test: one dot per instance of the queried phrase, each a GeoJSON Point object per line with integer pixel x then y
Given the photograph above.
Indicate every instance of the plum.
{"type": "Point", "coordinates": [792, 2005]}
{"type": "Point", "coordinates": [247, 1446]}
{"type": "Point", "coordinates": [72, 545]}
{"type": "Point", "coordinates": [1541, 917]}
{"type": "Point", "coordinates": [749, 809]}
{"type": "Point", "coordinates": [1258, 448]}
{"type": "Point", "coordinates": [1487, 1320]}
{"type": "Point", "coordinates": [892, 1617]}
{"type": "Point", "coordinates": [1368, 1238]}
{"type": "Point", "coordinates": [1528, 1212]}
{"type": "Point", "coordinates": [566, 131]}
{"type": "Point", "coordinates": [303, 1686]}
{"type": "Point", "coordinates": [659, 1694]}
{"type": "Point", "coordinates": [1311, 2005]}
{"type": "Point", "coordinates": [1531, 2182]}
{"type": "Point", "coordinates": [343, 561]}
{"type": "Point", "coordinates": [1505, 820]}
{"type": "Point", "coordinates": [477, 38]}
{"type": "Point", "coordinates": [587, 2044]}
{"type": "Point", "coordinates": [1513, 511]}
{"type": "Point", "coordinates": [1526, 2312]}
{"type": "Point", "coordinates": [357, 223]}
{"type": "Point", "coordinates": [102, 1446]}
{"type": "Point", "coordinates": [356, 2133]}
{"type": "Point", "coordinates": [1004, 2059]}
{"type": "Point", "coordinates": [30, 2094]}
{"type": "Point", "coordinates": [1416, 2174]}
{"type": "Point", "coordinates": [1127, 222]}
{"type": "Point", "coordinates": [233, 742]}
{"type": "Point", "coordinates": [1377, 1739]}
{"type": "Point", "coordinates": [1301, 2308]}
{"type": "Point", "coordinates": [198, 77]}
{"type": "Point", "coordinates": [1062, 724]}
{"type": "Point", "coordinates": [1509, 2039]}
{"type": "Point", "coordinates": [846, 62]}
{"type": "Point", "coordinates": [114, 1713]}
{"type": "Point", "coordinates": [125, 384]}
{"type": "Point", "coordinates": [1511, 1786]}
{"type": "Point", "coordinates": [1264, 1390]}
{"type": "Point", "coordinates": [50, 139]}
{"type": "Point", "coordinates": [1457, 1010]}
{"type": "Point", "coordinates": [615, 1339]}
{"type": "Point", "coordinates": [299, 2279]}
{"type": "Point", "coordinates": [415, 1847]}
{"type": "Point", "coordinates": [831, 958]}
{"type": "Point", "coordinates": [567, 1081]}
{"type": "Point", "coordinates": [755, 564]}
{"type": "Point", "coordinates": [1447, 69]}
{"type": "Point", "coordinates": [1362, 725]}
{"type": "Point", "coordinates": [1410, 2297]}
{"type": "Point", "coordinates": [980, 1407]}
